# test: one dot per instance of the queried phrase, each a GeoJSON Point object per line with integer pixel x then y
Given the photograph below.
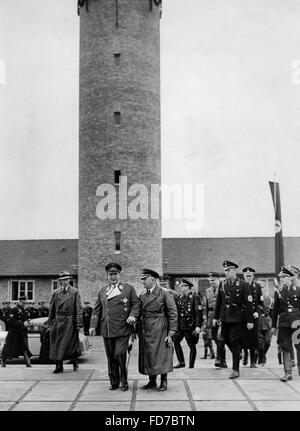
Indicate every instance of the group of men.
{"type": "Point", "coordinates": [235, 311]}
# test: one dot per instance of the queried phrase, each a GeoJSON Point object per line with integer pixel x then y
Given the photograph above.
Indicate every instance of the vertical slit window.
{"type": "Point", "coordinates": [117, 177]}
{"type": "Point", "coordinates": [117, 56]}
{"type": "Point", "coordinates": [117, 118]}
{"type": "Point", "coordinates": [117, 241]}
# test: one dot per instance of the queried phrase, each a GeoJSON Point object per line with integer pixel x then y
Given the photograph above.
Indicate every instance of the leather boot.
{"type": "Point", "coordinates": [3, 363]}
{"type": "Point", "coordinates": [151, 384]}
{"type": "Point", "coordinates": [179, 365]}
{"type": "Point", "coordinates": [163, 382]}
{"type": "Point", "coordinates": [287, 363]}
{"type": "Point", "coordinates": [193, 354]}
{"type": "Point", "coordinates": [205, 353]}
{"type": "Point", "coordinates": [234, 375]}
{"type": "Point", "coordinates": [58, 367]}
{"type": "Point", "coordinates": [75, 364]}
{"type": "Point", "coordinates": [27, 360]}
{"type": "Point", "coordinates": [245, 358]}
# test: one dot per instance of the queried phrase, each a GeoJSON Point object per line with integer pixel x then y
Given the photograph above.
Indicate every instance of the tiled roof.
{"type": "Point", "coordinates": [38, 257]}
{"type": "Point", "coordinates": [201, 255]}
{"type": "Point", "coordinates": [184, 255]}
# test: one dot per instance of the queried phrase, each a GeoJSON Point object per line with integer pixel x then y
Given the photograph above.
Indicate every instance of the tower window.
{"type": "Point", "coordinates": [117, 177]}
{"type": "Point", "coordinates": [117, 56]}
{"type": "Point", "coordinates": [117, 242]}
{"type": "Point", "coordinates": [117, 118]}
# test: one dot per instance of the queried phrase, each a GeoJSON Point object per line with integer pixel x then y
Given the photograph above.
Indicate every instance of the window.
{"type": "Point", "coordinates": [117, 177]}
{"type": "Point", "coordinates": [117, 57]}
{"type": "Point", "coordinates": [117, 118]}
{"type": "Point", "coordinates": [117, 242]}
{"type": "Point", "coordinates": [21, 288]}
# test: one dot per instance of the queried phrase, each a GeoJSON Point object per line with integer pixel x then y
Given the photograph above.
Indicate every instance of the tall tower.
{"type": "Point", "coordinates": [119, 138]}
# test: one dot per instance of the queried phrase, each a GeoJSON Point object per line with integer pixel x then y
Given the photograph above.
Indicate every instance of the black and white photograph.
{"type": "Point", "coordinates": [149, 208]}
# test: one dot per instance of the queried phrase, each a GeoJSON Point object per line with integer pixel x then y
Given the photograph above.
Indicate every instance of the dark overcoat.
{"type": "Point", "coordinates": [16, 341]}
{"type": "Point", "coordinates": [112, 311]}
{"type": "Point", "coordinates": [158, 319]}
{"type": "Point", "coordinates": [65, 320]}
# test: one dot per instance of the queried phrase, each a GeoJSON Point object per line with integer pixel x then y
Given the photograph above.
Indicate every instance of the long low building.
{"type": "Point", "coordinates": [31, 267]}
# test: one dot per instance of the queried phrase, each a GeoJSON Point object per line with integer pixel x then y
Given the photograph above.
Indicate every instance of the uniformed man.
{"type": "Point", "coordinates": [157, 326]}
{"type": "Point", "coordinates": [296, 282]}
{"type": "Point", "coordinates": [164, 282]}
{"type": "Point", "coordinates": [86, 315]}
{"type": "Point", "coordinates": [117, 308]}
{"type": "Point", "coordinates": [5, 313]}
{"type": "Point", "coordinates": [190, 319]}
{"type": "Point", "coordinates": [16, 341]}
{"type": "Point", "coordinates": [234, 309]}
{"type": "Point", "coordinates": [210, 304]}
{"type": "Point", "coordinates": [264, 326]}
{"type": "Point", "coordinates": [257, 300]}
{"type": "Point", "coordinates": [287, 311]}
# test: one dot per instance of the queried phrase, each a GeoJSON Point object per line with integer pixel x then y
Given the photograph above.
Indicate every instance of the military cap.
{"type": "Point", "coordinates": [284, 272]}
{"type": "Point", "coordinates": [248, 269]}
{"type": "Point", "coordinates": [164, 277]}
{"type": "Point", "coordinates": [64, 275]}
{"type": "Point", "coordinates": [294, 269]}
{"type": "Point", "coordinates": [113, 266]}
{"type": "Point", "coordinates": [22, 298]}
{"type": "Point", "coordinates": [213, 275]}
{"type": "Point", "coordinates": [228, 264]}
{"type": "Point", "coordinates": [147, 272]}
{"type": "Point", "coordinates": [183, 280]}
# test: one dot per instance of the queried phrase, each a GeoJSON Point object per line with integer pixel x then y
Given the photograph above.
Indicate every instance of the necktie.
{"type": "Point", "coordinates": [64, 289]}
{"type": "Point", "coordinates": [148, 292]}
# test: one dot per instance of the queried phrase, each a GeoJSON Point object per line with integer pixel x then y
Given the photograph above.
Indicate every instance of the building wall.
{"type": "Point", "coordinates": [132, 88]}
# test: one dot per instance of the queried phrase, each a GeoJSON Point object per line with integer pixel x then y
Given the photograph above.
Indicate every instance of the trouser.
{"type": "Point", "coordinates": [252, 340]}
{"type": "Point", "coordinates": [116, 350]}
{"type": "Point", "coordinates": [233, 335]}
{"type": "Point", "coordinates": [264, 342]}
{"type": "Point", "coordinates": [86, 326]}
{"type": "Point", "coordinates": [191, 343]}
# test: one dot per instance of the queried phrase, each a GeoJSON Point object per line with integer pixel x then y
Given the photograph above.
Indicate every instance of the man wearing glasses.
{"type": "Point", "coordinates": [117, 307]}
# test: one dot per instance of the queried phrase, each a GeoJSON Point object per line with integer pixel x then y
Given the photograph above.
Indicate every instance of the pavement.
{"type": "Point", "coordinates": [203, 388]}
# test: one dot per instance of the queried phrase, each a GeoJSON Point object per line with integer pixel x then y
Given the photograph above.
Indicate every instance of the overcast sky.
{"type": "Point", "coordinates": [230, 114]}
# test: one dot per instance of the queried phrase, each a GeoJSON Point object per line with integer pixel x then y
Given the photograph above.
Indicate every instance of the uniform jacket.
{"type": "Point", "coordinates": [87, 312]}
{"type": "Point", "coordinates": [234, 302]}
{"type": "Point", "coordinates": [157, 320]}
{"type": "Point", "coordinates": [190, 312]}
{"type": "Point", "coordinates": [286, 306]}
{"type": "Point", "coordinates": [113, 311]}
{"type": "Point", "coordinates": [264, 310]}
{"type": "Point", "coordinates": [65, 320]}
{"type": "Point", "coordinates": [257, 296]}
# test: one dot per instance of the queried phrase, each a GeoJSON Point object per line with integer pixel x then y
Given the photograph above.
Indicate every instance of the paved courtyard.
{"type": "Point", "coordinates": [204, 388]}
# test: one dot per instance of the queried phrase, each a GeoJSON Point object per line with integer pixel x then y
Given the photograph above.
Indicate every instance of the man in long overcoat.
{"type": "Point", "coordinates": [117, 308]}
{"type": "Point", "coordinates": [157, 326]}
{"type": "Point", "coordinates": [65, 321]}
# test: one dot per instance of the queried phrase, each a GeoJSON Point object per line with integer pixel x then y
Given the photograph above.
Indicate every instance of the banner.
{"type": "Point", "coordinates": [279, 255]}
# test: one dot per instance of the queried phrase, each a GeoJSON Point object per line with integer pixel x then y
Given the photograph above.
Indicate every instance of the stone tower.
{"type": "Point", "coordinates": [119, 139]}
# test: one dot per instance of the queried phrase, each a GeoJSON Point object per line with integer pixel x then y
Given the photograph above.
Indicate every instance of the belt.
{"type": "Point", "coordinates": [147, 315]}
{"type": "Point", "coordinates": [63, 313]}
{"type": "Point", "coordinates": [210, 308]}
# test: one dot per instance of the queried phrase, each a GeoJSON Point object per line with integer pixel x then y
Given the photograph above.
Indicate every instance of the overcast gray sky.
{"type": "Point", "coordinates": [230, 114]}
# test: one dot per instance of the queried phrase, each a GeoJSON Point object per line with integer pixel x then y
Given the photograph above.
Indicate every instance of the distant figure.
{"type": "Point", "coordinates": [86, 316]}
{"type": "Point", "coordinates": [264, 327]}
{"type": "Point", "coordinates": [65, 321]}
{"type": "Point", "coordinates": [16, 342]}
{"type": "Point", "coordinates": [207, 341]}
